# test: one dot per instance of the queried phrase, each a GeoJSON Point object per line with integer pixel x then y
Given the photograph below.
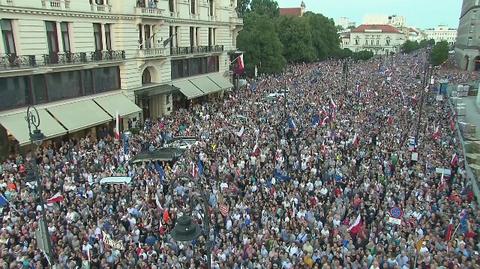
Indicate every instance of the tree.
{"type": "Point", "coordinates": [261, 45]}
{"type": "Point", "coordinates": [410, 46]}
{"type": "Point", "coordinates": [324, 34]}
{"type": "Point", "coordinates": [362, 55]}
{"type": "Point", "coordinates": [242, 7]}
{"type": "Point", "coordinates": [439, 53]}
{"type": "Point", "coordinates": [296, 36]}
{"type": "Point", "coordinates": [265, 7]}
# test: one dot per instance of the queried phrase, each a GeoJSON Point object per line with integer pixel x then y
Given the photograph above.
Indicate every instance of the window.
{"type": "Point", "coordinates": [371, 42]}
{"type": "Point", "coordinates": [193, 7]}
{"type": "Point", "coordinates": [192, 37]}
{"type": "Point", "coordinates": [357, 41]}
{"type": "Point", "coordinates": [171, 5]}
{"type": "Point", "coordinates": [197, 36]}
{"type": "Point", "coordinates": [52, 39]}
{"type": "Point", "coordinates": [7, 35]}
{"type": "Point", "coordinates": [194, 66]}
{"type": "Point", "coordinates": [170, 35]}
{"type": "Point", "coordinates": [65, 36]}
{"type": "Point", "coordinates": [378, 42]}
{"type": "Point", "coordinates": [209, 37]}
{"type": "Point", "coordinates": [175, 38]}
{"type": "Point", "coordinates": [212, 8]}
{"type": "Point", "coordinates": [15, 92]}
{"type": "Point", "coordinates": [147, 36]}
{"type": "Point", "coordinates": [108, 37]}
{"type": "Point", "coordinates": [106, 79]}
{"type": "Point", "coordinates": [87, 80]}
{"type": "Point", "coordinates": [97, 34]}
{"type": "Point", "coordinates": [63, 85]}
{"type": "Point", "coordinates": [470, 40]}
{"type": "Point", "coordinates": [214, 36]}
{"type": "Point", "coordinates": [40, 89]}
{"type": "Point", "coordinates": [388, 41]}
{"type": "Point", "coordinates": [167, 99]}
{"type": "Point", "coordinates": [140, 35]}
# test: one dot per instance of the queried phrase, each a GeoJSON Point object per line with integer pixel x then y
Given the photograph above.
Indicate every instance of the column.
{"type": "Point", "coordinates": [59, 37]}
{"type": "Point", "coordinates": [142, 41]}
{"type": "Point", "coordinates": [152, 36]}
{"type": "Point", "coordinates": [104, 41]}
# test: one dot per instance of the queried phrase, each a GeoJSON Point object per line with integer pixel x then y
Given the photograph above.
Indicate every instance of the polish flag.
{"type": "Point", "coordinates": [356, 140]}
{"type": "Point", "coordinates": [436, 134]}
{"type": "Point", "coordinates": [356, 226]}
{"type": "Point", "coordinates": [240, 65]}
{"type": "Point", "coordinates": [332, 104]}
{"type": "Point", "coordinates": [223, 209]}
{"type": "Point", "coordinates": [452, 124]}
{"type": "Point", "coordinates": [390, 120]}
{"type": "Point", "coordinates": [256, 150]}
{"type": "Point", "coordinates": [57, 198]}
{"type": "Point", "coordinates": [117, 126]}
{"type": "Point", "coordinates": [324, 121]}
{"type": "Point", "coordinates": [454, 160]}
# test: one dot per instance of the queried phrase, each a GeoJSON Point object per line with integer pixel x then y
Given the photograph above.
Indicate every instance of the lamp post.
{"type": "Point", "coordinates": [186, 229]}
{"type": "Point", "coordinates": [427, 70]}
{"type": "Point", "coordinates": [36, 138]}
{"type": "Point", "coordinates": [345, 73]}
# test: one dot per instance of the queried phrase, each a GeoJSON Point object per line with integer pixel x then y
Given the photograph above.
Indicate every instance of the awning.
{"type": "Point", "coordinates": [18, 127]}
{"type": "Point", "coordinates": [155, 90]}
{"type": "Point", "coordinates": [205, 84]}
{"type": "Point", "coordinates": [188, 89]}
{"type": "Point", "coordinates": [79, 115]}
{"type": "Point", "coordinates": [221, 81]}
{"type": "Point", "coordinates": [117, 103]}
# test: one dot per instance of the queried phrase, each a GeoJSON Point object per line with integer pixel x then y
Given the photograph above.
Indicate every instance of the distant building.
{"type": "Point", "coordinates": [293, 11]}
{"type": "Point", "coordinates": [467, 45]}
{"type": "Point", "coordinates": [442, 33]}
{"type": "Point", "coordinates": [396, 21]}
{"type": "Point", "coordinates": [377, 38]}
{"type": "Point", "coordinates": [345, 23]}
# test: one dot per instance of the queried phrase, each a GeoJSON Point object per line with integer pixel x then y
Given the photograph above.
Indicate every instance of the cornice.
{"type": "Point", "coordinates": [65, 13]}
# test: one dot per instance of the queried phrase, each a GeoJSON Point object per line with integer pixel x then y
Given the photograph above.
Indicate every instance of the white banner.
{"type": "Point", "coordinates": [107, 239]}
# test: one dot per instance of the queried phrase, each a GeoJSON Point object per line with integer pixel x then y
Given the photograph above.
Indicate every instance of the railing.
{"type": "Point", "coordinates": [194, 50]}
{"type": "Point", "coordinates": [101, 8]}
{"type": "Point", "coordinates": [6, 2]}
{"type": "Point", "coordinates": [151, 52]}
{"type": "Point", "coordinates": [56, 4]}
{"type": "Point", "coordinates": [13, 61]}
{"type": "Point", "coordinates": [236, 20]}
{"type": "Point", "coordinates": [148, 11]}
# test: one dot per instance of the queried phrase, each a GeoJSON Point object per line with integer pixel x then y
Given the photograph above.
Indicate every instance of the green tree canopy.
{"type": "Point", "coordinates": [410, 46]}
{"type": "Point", "coordinates": [439, 53]}
{"type": "Point", "coordinates": [265, 7]}
{"type": "Point", "coordinates": [260, 44]}
{"type": "Point", "coordinates": [362, 55]}
{"type": "Point", "coordinates": [325, 39]}
{"type": "Point", "coordinates": [295, 34]}
{"type": "Point", "coordinates": [242, 7]}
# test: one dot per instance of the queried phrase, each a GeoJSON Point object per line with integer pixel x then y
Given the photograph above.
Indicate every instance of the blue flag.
{"type": "Point", "coordinates": [160, 170]}
{"type": "Point", "coordinates": [3, 201]}
{"type": "Point", "coordinates": [291, 123]}
{"type": "Point", "coordinates": [315, 120]}
{"type": "Point", "coordinates": [200, 167]}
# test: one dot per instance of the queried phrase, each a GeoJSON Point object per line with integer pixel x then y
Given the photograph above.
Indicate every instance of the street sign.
{"type": "Point", "coordinates": [396, 212]}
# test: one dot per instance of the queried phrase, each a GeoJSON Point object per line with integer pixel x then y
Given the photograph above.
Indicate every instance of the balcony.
{"type": "Point", "coordinates": [101, 8]}
{"type": "Point", "coordinates": [236, 20]}
{"type": "Point", "coordinates": [196, 50]}
{"type": "Point", "coordinates": [6, 2]}
{"type": "Point", "coordinates": [148, 11]}
{"type": "Point", "coordinates": [151, 52]}
{"type": "Point", "coordinates": [13, 61]}
{"type": "Point", "coordinates": [56, 4]}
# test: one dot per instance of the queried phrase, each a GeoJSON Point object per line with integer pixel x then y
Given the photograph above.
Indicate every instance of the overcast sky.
{"type": "Point", "coordinates": [418, 13]}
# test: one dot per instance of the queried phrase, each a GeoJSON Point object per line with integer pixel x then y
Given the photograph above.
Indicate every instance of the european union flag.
{"type": "Point", "coordinates": [200, 167]}
{"type": "Point", "coordinates": [315, 120]}
{"type": "Point", "coordinates": [291, 123]}
{"type": "Point", "coordinates": [160, 170]}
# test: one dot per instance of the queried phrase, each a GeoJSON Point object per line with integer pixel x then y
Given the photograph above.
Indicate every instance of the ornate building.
{"type": "Point", "coordinates": [377, 38]}
{"type": "Point", "coordinates": [82, 62]}
{"type": "Point", "coordinates": [467, 45]}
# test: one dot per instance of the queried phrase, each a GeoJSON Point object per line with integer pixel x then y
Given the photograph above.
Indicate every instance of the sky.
{"type": "Point", "coordinates": [418, 13]}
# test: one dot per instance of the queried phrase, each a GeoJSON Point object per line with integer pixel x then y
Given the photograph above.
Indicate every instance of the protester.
{"type": "Point", "coordinates": [306, 181]}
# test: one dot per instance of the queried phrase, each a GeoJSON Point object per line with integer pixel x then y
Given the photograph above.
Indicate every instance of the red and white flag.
{"type": "Point", "coordinates": [117, 126]}
{"type": "Point", "coordinates": [356, 140]}
{"type": "Point", "coordinates": [256, 150]}
{"type": "Point", "coordinates": [223, 209]}
{"type": "Point", "coordinates": [356, 226]}
{"type": "Point", "coordinates": [332, 104]}
{"type": "Point", "coordinates": [436, 134]}
{"type": "Point", "coordinates": [57, 198]}
{"type": "Point", "coordinates": [454, 160]}
{"type": "Point", "coordinates": [194, 170]}
{"type": "Point", "coordinates": [240, 65]}
{"type": "Point", "coordinates": [324, 121]}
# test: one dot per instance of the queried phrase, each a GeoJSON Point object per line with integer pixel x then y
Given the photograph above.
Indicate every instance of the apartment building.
{"type": "Point", "coordinates": [467, 45]}
{"type": "Point", "coordinates": [83, 62]}
{"type": "Point", "coordinates": [442, 33]}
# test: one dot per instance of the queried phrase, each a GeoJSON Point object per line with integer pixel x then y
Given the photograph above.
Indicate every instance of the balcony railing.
{"type": "Point", "coordinates": [6, 2]}
{"type": "Point", "coordinates": [101, 8]}
{"type": "Point", "coordinates": [56, 4]}
{"type": "Point", "coordinates": [13, 61]}
{"type": "Point", "coordinates": [194, 50]}
{"type": "Point", "coordinates": [236, 20]}
{"type": "Point", "coordinates": [152, 52]}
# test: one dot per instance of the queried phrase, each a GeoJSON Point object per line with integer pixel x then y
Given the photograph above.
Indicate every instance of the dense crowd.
{"type": "Point", "coordinates": [306, 181]}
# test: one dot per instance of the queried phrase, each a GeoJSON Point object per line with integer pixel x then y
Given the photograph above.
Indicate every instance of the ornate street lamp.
{"type": "Point", "coordinates": [36, 138]}
{"type": "Point", "coordinates": [186, 229]}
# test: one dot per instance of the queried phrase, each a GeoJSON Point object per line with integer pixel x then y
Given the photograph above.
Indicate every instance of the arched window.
{"type": "Point", "coordinates": [146, 77]}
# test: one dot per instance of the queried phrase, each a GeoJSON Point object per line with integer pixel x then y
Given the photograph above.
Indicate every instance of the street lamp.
{"type": "Point", "coordinates": [186, 230]}
{"type": "Point", "coordinates": [36, 138]}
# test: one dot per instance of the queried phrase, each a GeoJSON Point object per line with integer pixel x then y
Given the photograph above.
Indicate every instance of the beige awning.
{"type": "Point", "coordinates": [79, 115]}
{"type": "Point", "coordinates": [221, 81]}
{"type": "Point", "coordinates": [205, 84]}
{"type": "Point", "coordinates": [16, 125]}
{"type": "Point", "coordinates": [188, 89]}
{"type": "Point", "coordinates": [117, 103]}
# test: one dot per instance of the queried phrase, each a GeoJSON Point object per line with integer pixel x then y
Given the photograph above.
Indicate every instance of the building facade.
{"type": "Point", "coordinates": [377, 38]}
{"type": "Point", "coordinates": [293, 11]}
{"type": "Point", "coordinates": [345, 23]}
{"type": "Point", "coordinates": [442, 33]}
{"type": "Point", "coordinates": [467, 45]}
{"type": "Point", "coordinates": [83, 62]}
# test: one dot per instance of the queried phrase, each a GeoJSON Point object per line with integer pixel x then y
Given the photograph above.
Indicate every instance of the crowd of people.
{"type": "Point", "coordinates": [305, 169]}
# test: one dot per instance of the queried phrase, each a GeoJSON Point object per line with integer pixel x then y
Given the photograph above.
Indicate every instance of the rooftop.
{"type": "Point", "coordinates": [384, 28]}
{"type": "Point", "coordinates": [291, 11]}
